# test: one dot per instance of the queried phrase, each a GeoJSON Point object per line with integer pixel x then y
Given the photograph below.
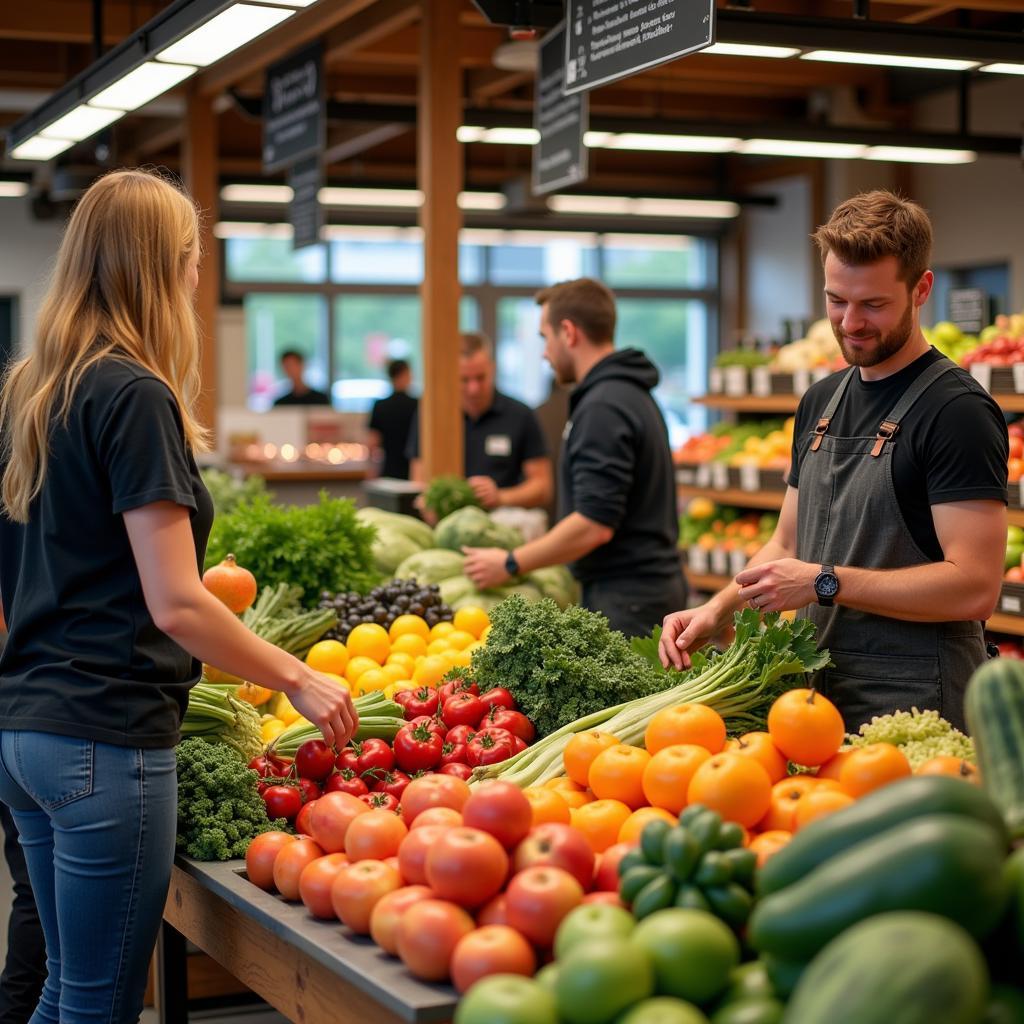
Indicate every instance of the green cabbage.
{"type": "Point", "coordinates": [415, 529]}
{"type": "Point", "coordinates": [556, 582]}
{"type": "Point", "coordinates": [431, 566]}
{"type": "Point", "coordinates": [456, 589]}
{"type": "Point", "coordinates": [472, 527]}
{"type": "Point", "coordinates": [391, 548]}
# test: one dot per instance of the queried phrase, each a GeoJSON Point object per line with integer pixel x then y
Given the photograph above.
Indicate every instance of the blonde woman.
{"type": "Point", "coordinates": [104, 529]}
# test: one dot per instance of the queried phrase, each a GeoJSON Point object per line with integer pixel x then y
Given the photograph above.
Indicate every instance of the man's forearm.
{"type": "Point", "coordinates": [570, 539]}
{"type": "Point", "coordinates": [528, 494]}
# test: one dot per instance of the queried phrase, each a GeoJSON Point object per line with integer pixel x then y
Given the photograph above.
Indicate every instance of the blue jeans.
{"type": "Point", "coordinates": [97, 824]}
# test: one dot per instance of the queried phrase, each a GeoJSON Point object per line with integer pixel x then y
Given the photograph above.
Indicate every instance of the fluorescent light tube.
{"type": "Point", "coordinates": [403, 197]}
{"type": "Point", "coordinates": [512, 136]}
{"type": "Point", "coordinates": [921, 155]}
{"type": "Point", "coordinates": [1003, 69]}
{"type": "Point", "coordinates": [13, 189]}
{"type": "Point", "coordinates": [81, 123]}
{"type": "Point", "coordinates": [230, 30]}
{"type": "Point", "coordinates": [798, 147]}
{"type": "Point", "coordinates": [138, 87]}
{"type": "Point", "coordinates": [620, 205]}
{"type": "Point", "coordinates": [38, 148]}
{"type": "Point", "coordinates": [644, 207]}
{"type": "Point", "coordinates": [288, 3]}
{"type": "Point", "coordinates": [751, 50]}
{"type": "Point", "coordinates": [246, 229]}
{"type": "Point", "coordinates": [470, 133]}
{"type": "Point", "coordinates": [670, 143]}
{"type": "Point", "coordinates": [256, 193]}
{"type": "Point", "coordinates": [891, 60]}
{"type": "Point", "coordinates": [481, 201]}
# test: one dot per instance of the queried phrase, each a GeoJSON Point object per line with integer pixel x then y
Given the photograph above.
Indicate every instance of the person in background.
{"type": "Point", "coordinates": [506, 460]}
{"type": "Point", "coordinates": [391, 419]}
{"type": "Point", "coordinates": [619, 527]}
{"type": "Point", "coordinates": [104, 520]}
{"type": "Point", "coordinates": [294, 366]}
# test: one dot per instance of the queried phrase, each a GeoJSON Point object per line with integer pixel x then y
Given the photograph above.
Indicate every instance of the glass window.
{"type": "Point", "coordinates": [393, 256]}
{"type": "Point", "coordinates": [656, 261]}
{"type": "Point", "coordinates": [275, 324]}
{"type": "Point", "coordinates": [272, 259]}
{"type": "Point", "coordinates": [522, 370]}
{"type": "Point", "coordinates": [471, 264]}
{"type": "Point", "coordinates": [535, 258]}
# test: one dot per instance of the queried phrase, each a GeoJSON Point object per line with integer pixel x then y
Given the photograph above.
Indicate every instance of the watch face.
{"type": "Point", "coordinates": [827, 584]}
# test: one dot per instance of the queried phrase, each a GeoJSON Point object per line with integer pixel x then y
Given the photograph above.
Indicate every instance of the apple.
{"type": "Point", "coordinates": [607, 877]}
{"type": "Point", "coordinates": [560, 846]}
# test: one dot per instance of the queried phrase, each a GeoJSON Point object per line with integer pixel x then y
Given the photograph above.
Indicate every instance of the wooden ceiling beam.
{"type": "Point", "coordinates": [351, 142]}
{"type": "Point", "coordinates": [70, 21]}
{"type": "Point", "coordinates": [383, 19]}
{"type": "Point", "coordinates": [484, 85]}
{"type": "Point", "coordinates": [926, 14]}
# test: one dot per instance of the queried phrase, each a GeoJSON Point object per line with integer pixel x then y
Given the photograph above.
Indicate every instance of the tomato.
{"type": "Point", "coordinates": [607, 877]}
{"type": "Point", "coordinates": [435, 790]}
{"type": "Point", "coordinates": [288, 865]}
{"type": "Point", "coordinates": [462, 709]}
{"type": "Point", "coordinates": [424, 701]}
{"type": "Point", "coordinates": [345, 781]}
{"type": "Point", "coordinates": [514, 722]}
{"type": "Point", "coordinates": [417, 748]}
{"type": "Point", "coordinates": [331, 817]}
{"type": "Point", "coordinates": [348, 758]}
{"type": "Point", "coordinates": [500, 809]}
{"type": "Point", "coordinates": [309, 791]}
{"type": "Point", "coordinates": [303, 817]}
{"type": "Point", "coordinates": [315, 883]}
{"type": "Point", "coordinates": [446, 816]}
{"type": "Point", "coordinates": [403, 698]}
{"type": "Point", "coordinates": [260, 857]}
{"type": "Point", "coordinates": [428, 933]}
{"type": "Point", "coordinates": [466, 866]}
{"type": "Point", "coordinates": [393, 782]}
{"type": "Point", "coordinates": [453, 753]}
{"type": "Point", "coordinates": [559, 846]}
{"type": "Point", "coordinates": [269, 767]}
{"type": "Point", "coordinates": [388, 911]}
{"type": "Point", "coordinates": [538, 898]}
{"type": "Point", "coordinates": [493, 912]}
{"type": "Point", "coordinates": [457, 770]}
{"type": "Point", "coordinates": [432, 722]}
{"type": "Point", "coordinates": [356, 890]}
{"type": "Point", "coordinates": [454, 686]}
{"type": "Point", "coordinates": [375, 836]}
{"type": "Point", "coordinates": [461, 734]}
{"type": "Point", "coordinates": [489, 746]}
{"type": "Point", "coordinates": [498, 697]}
{"type": "Point", "coordinates": [375, 756]}
{"type": "Point", "coordinates": [412, 852]}
{"type": "Point", "coordinates": [380, 801]}
{"type": "Point", "coordinates": [282, 802]}
{"type": "Point", "coordinates": [509, 1000]}
{"type": "Point", "coordinates": [493, 949]}
{"type": "Point", "coordinates": [314, 760]}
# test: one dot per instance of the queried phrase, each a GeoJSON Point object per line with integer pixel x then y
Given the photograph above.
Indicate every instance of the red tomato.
{"type": "Point", "coordinates": [412, 853]}
{"type": "Point", "coordinates": [611, 898]}
{"type": "Point", "coordinates": [428, 933]}
{"type": "Point", "coordinates": [489, 746]}
{"type": "Point", "coordinates": [518, 745]}
{"type": "Point", "coordinates": [560, 846]}
{"type": "Point", "coordinates": [435, 790]}
{"type": "Point", "coordinates": [346, 781]}
{"type": "Point", "coordinates": [460, 735]}
{"type": "Point", "coordinates": [388, 911]}
{"type": "Point", "coordinates": [538, 898]}
{"type": "Point", "coordinates": [494, 912]}
{"type": "Point", "coordinates": [260, 857]}
{"type": "Point", "coordinates": [417, 748]}
{"type": "Point", "coordinates": [282, 802]}
{"type": "Point", "coordinates": [493, 949]}
{"type": "Point", "coordinates": [454, 686]}
{"type": "Point", "coordinates": [309, 791]}
{"type": "Point", "coordinates": [393, 782]}
{"type": "Point", "coordinates": [424, 701]}
{"type": "Point", "coordinates": [498, 697]}
{"type": "Point", "coordinates": [303, 817]}
{"type": "Point", "coordinates": [357, 889]}
{"type": "Point", "coordinates": [500, 809]}
{"type": "Point", "coordinates": [315, 883]}
{"type": "Point", "coordinates": [447, 816]}
{"type": "Point", "coordinates": [466, 866]}
{"type": "Point", "coordinates": [462, 709]}
{"type": "Point", "coordinates": [607, 877]}
{"type": "Point", "coordinates": [348, 758]}
{"type": "Point", "coordinates": [269, 767]}
{"type": "Point", "coordinates": [314, 760]}
{"type": "Point", "coordinates": [432, 722]}
{"type": "Point", "coordinates": [375, 756]}
{"type": "Point", "coordinates": [458, 771]}
{"type": "Point", "coordinates": [375, 836]}
{"type": "Point", "coordinates": [453, 753]}
{"type": "Point", "coordinates": [288, 865]}
{"type": "Point", "coordinates": [380, 801]}
{"type": "Point", "coordinates": [514, 722]}
{"type": "Point", "coordinates": [331, 816]}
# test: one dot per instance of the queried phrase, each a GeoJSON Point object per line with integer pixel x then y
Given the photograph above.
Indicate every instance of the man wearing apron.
{"type": "Point", "coordinates": [893, 529]}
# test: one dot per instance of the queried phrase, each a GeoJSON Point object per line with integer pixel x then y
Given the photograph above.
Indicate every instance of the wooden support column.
{"type": "Point", "coordinates": [199, 171]}
{"type": "Point", "coordinates": [439, 169]}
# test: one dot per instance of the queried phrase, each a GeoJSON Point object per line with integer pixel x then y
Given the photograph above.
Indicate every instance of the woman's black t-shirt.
{"type": "Point", "coordinates": [83, 656]}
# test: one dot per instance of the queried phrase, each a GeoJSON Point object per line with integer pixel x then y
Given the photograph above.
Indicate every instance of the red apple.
{"type": "Point", "coordinates": [559, 846]}
{"type": "Point", "coordinates": [607, 877]}
{"type": "Point", "coordinates": [611, 898]}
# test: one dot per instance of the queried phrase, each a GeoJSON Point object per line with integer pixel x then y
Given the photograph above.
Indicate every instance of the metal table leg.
{"type": "Point", "coordinates": [171, 976]}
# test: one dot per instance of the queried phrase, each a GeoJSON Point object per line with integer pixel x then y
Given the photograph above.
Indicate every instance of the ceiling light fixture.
{"type": "Point", "coordinates": [624, 206]}
{"type": "Point", "coordinates": [256, 193]}
{"type": "Point", "coordinates": [797, 147]}
{"type": "Point", "coordinates": [920, 155]}
{"type": "Point", "coordinates": [1003, 69]}
{"type": "Point", "coordinates": [663, 143]}
{"type": "Point", "coordinates": [890, 60]}
{"type": "Point", "coordinates": [38, 148]}
{"type": "Point", "coordinates": [751, 50]}
{"type": "Point", "coordinates": [81, 122]}
{"type": "Point", "coordinates": [214, 39]}
{"type": "Point", "coordinates": [143, 84]}
{"type": "Point", "coordinates": [13, 189]}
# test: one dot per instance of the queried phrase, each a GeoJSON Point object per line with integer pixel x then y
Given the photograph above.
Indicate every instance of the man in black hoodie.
{"type": "Point", "coordinates": [619, 527]}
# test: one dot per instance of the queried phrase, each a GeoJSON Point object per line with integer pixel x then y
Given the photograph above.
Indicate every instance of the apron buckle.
{"type": "Point", "coordinates": [819, 432]}
{"type": "Point", "coordinates": [886, 432]}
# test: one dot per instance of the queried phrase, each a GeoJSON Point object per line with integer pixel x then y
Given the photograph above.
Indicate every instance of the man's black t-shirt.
{"type": "Point", "coordinates": [498, 443]}
{"type": "Point", "coordinates": [83, 656]}
{"type": "Point", "coordinates": [951, 446]}
{"type": "Point", "coordinates": [310, 397]}
{"type": "Point", "coordinates": [392, 418]}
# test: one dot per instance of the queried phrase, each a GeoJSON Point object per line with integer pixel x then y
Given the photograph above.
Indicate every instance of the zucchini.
{"type": "Point", "coordinates": [944, 864]}
{"type": "Point", "coordinates": [885, 808]}
{"type": "Point", "coordinates": [752, 1010]}
{"type": "Point", "coordinates": [902, 968]}
{"type": "Point", "coordinates": [995, 717]}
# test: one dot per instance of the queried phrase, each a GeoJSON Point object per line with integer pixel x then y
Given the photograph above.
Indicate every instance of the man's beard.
{"type": "Point", "coordinates": [887, 346]}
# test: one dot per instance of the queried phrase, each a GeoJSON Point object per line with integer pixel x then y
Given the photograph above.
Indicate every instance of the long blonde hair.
{"type": "Point", "coordinates": [119, 289]}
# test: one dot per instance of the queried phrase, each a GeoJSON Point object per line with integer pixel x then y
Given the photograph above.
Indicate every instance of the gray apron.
{"type": "Point", "coordinates": [848, 515]}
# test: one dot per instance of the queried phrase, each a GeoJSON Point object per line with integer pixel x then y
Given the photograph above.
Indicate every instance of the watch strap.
{"type": "Point", "coordinates": [512, 564]}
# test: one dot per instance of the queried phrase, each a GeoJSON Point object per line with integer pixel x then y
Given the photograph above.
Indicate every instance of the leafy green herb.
{"type": "Point", "coordinates": [447, 494]}
{"type": "Point", "coordinates": [316, 547]}
{"type": "Point", "coordinates": [228, 492]}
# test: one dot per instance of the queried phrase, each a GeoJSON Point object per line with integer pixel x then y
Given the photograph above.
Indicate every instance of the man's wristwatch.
{"type": "Point", "coordinates": [511, 564]}
{"type": "Point", "coordinates": [826, 586]}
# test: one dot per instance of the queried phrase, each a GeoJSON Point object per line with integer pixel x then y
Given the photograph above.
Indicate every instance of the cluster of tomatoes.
{"type": "Point", "coordinates": [461, 885]}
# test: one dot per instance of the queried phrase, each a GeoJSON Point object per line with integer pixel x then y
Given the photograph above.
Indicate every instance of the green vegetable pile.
{"type": "Point", "coordinates": [278, 618]}
{"type": "Point", "coordinates": [745, 357]}
{"type": "Point", "coordinates": [228, 492]}
{"type": "Point", "coordinates": [316, 547]}
{"type": "Point", "coordinates": [447, 494]}
{"type": "Point", "coordinates": [219, 807]}
{"type": "Point", "coordinates": [921, 735]}
{"type": "Point", "coordinates": [216, 714]}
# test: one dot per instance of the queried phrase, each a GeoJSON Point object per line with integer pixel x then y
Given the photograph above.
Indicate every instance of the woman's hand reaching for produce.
{"type": "Point", "coordinates": [682, 632]}
{"type": "Point", "coordinates": [327, 705]}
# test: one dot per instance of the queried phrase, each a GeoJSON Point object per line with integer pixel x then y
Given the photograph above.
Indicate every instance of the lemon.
{"type": "Point", "coordinates": [431, 670]}
{"type": "Point", "coordinates": [328, 656]}
{"type": "Point", "coordinates": [438, 647]}
{"type": "Point", "coordinates": [409, 625]}
{"type": "Point", "coordinates": [406, 661]}
{"type": "Point", "coordinates": [472, 620]}
{"type": "Point", "coordinates": [395, 673]}
{"type": "Point", "coordinates": [459, 640]}
{"type": "Point", "coordinates": [370, 680]}
{"type": "Point", "coordinates": [269, 731]}
{"type": "Point", "coordinates": [409, 643]}
{"type": "Point", "coordinates": [357, 666]}
{"type": "Point", "coordinates": [442, 629]}
{"type": "Point", "coordinates": [368, 640]}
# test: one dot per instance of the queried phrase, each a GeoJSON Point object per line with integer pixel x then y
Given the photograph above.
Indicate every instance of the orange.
{"type": "Point", "coordinates": [634, 824]}
{"type": "Point", "coordinates": [472, 620]}
{"type": "Point", "coordinates": [817, 803]}
{"type": "Point", "coordinates": [667, 775]}
{"type": "Point", "coordinates": [767, 843]}
{"type": "Point", "coordinates": [949, 766]}
{"type": "Point", "coordinates": [411, 625]}
{"type": "Point", "coordinates": [834, 765]}
{"type": "Point", "coordinates": [735, 786]}
{"type": "Point", "coordinates": [617, 774]}
{"type": "Point", "coordinates": [786, 797]}
{"type": "Point", "coordinates": [370, 641]}
{"type": "Point", "coordinates": [806, 727]}
{"type": "Point", "coordinates": [687, 723]}
{"type": "Point", "coordinates": [547, 806]}
{"type": "Point", "coordinates": [328, 656]}
{"type": "Point", "coordinates": [409, 643]}
{"type": "Point", "coordinates": [574, 795]}
{"type": "Point", "coordinates": [873, 766]}
{"type": "Point", "coordinates": [431, 670]}
{"type": "Point", "coordinates": [759, 746]}
{"type": "Point", "coordinates": [601, 821]}
{"type": "Point", "coordinates": [581, 750]}
{"type": "Point", "coordinates": [441, 630]}
{"type": "Point", "coordinates": [357, 666]}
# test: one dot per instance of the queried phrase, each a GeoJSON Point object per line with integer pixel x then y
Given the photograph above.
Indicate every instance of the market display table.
{"type": "Point", "coordinates": [313, 972]}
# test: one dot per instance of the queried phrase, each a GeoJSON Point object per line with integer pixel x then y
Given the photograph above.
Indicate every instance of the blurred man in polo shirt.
{"type": "Point", "coordinates": [392, 418]}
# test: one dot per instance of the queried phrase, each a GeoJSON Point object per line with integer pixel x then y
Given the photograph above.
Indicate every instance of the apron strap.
{"type": "Point", "coordinates": [830, 410]}
{"type": "Point", "coordinates": [891, 424]}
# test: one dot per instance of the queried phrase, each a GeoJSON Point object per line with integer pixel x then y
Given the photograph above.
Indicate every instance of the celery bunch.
{"type": "Point", "coordinates": [216, 714]}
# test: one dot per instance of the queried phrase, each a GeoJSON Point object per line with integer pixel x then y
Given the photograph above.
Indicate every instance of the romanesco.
{"type": "Point", "coordinates": [921, 735]}
{"type": "Point", "coordinates": [219, 807]}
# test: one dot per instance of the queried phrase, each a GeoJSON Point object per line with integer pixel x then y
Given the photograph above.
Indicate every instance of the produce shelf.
{"type": "Point", "coordinates": [745, 499]}
{"type": "Point", "coordinates": [1015, 516]}
{"type": "Point", "coordinates": [1008, 402]}
{"type": "Point", "coordinates": [710, 582]}
{"type": "Point", "coordinates": [1000, 623]}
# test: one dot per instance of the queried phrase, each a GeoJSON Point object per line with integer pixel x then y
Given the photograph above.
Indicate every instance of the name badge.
{"type": "Point", "coordinates": [498, 445]}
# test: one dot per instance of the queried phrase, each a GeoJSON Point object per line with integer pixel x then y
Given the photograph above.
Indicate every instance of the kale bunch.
{"type": "Point", "coordinates": [447, 494]}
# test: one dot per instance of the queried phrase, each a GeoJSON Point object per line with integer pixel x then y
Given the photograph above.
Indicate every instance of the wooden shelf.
{"type": "Point", "coordinates": [706, 581]}
{"type": "Point", "coordinates": [1015, 516]}
{"type": "Point", "coordinates": [788, 403]}
{"type": "Point", "coordinates": [771, 500]}
{"type": "Point", "coordinates": [1000, 623]}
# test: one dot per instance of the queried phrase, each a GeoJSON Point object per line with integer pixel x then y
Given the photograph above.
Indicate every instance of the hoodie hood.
{"type": "Point", "coordinates": [628, 364]}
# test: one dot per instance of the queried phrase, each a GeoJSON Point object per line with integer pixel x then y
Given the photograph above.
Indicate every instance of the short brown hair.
{"type": "Point", "coordinates": [587, 303]}
{"type": "Point", "coordinates": [873, 225]}
{"type": "Point", "coordinates": [472, 342]}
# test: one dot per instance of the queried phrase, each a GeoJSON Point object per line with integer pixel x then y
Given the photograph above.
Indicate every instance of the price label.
{"type": "Point", "coordinates": [737, 562]}
{"type": "Point", "coordinates": [719, 561]}
{"type": "Point", "coordinates": [1018, 378]}
{"type": "Point", "coordinates": [1021, 485]}
{"type": "Point", "coordinates": [703, 475]}
{"type": "Point", "coordinates": [1010, 604]}
{"type": "Point", "coordinates": [736, 381]}
{"type": "Point", "coordinates": [716, 381]}
{"type": "Point", "coordinates": [750, 478]}
{"type": "Point", "coordinates": [697, 559]}
{"type": "Point", "coordinates": [761, 381]}
{"type": "Point", "coordinates": [982, 373]}
{"type": "Point", "coordinates": [719, 476]}
{"type": "Point", "coordinates": [820, 373]}
{"type": "Point", "coordinates": [686, 476]}
{"type": "Point", "coordinates": [801, 381]}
